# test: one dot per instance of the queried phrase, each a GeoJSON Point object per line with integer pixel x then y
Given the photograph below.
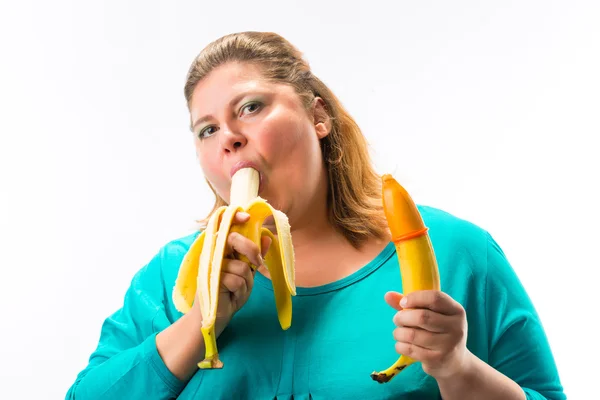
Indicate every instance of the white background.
{"type": "Point", "coordinates": [487, 109]}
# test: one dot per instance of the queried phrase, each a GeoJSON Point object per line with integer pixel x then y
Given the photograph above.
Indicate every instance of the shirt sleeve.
{"type": "Point", "coordinates": [126, 363]}
{"type": "Point", "coordinates": [518, 344]}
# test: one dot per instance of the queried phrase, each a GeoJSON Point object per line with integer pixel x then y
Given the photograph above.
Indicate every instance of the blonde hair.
{"type": "Point", "coordinates": [354, 194]}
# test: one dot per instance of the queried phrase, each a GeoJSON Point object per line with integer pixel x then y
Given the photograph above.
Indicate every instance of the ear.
{"type": "Point", "coordinates": [321, 118]}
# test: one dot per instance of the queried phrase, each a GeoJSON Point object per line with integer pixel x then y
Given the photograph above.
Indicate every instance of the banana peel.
{"type": "Point", "coordinates": [200, 270]}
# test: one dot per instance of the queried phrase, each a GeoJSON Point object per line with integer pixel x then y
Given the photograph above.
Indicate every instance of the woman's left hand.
{"type": "Point", "coordinates": [432, 329]}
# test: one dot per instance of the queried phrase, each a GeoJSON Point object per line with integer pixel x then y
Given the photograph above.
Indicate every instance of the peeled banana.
{"type": "Point", "coordinates": [418, 264]}
{"type": "Point", "coordinates": [200, 270]}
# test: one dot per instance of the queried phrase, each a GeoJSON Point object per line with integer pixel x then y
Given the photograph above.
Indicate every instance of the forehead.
{"type": "Point", "coordinates": [228, 80]}
{"type": "Point", "coordinates": [229, 83]}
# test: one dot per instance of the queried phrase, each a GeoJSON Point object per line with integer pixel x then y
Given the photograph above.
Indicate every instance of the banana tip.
{"type": "Point", "coordinates": [381, 377]}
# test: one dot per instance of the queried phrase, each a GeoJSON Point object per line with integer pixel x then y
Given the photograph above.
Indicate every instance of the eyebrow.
{"type": "Point", "coordinates": [233, 101]}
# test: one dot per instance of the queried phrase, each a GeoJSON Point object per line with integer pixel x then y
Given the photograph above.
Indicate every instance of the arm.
{"type": "Point", "coordinates": [142, 354]}
{"type": "Point", "coordinates": [479, 380]}
{"type": "Point", "coordinates": [126, 362]}
{"type": "Point", "coordinates": [521, 364]}
{"type": "Point", "coordinates": [181, 346]}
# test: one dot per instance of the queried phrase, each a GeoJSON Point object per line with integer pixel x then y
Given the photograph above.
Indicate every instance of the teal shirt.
{"type": "Point", "coordinates": [340, 333]}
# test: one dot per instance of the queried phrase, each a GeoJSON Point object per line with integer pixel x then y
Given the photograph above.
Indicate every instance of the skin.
{"type": "Point", "coordinates": [239, 116]}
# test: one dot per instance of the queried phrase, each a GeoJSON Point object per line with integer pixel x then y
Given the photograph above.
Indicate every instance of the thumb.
{"type": "Point", "coordinates": [393, 300]}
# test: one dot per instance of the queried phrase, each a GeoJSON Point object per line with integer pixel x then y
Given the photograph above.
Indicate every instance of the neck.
{"type": "Point", "coordinates": [306, 231]}
{"type": "Point", "coordinates": [311, 226]}
{"type": "Point", "coordinates": [322, 253]}
{"type": "Point", "coordinates": [314, 229]}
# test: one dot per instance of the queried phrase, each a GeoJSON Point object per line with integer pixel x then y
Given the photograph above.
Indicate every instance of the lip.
{"type": "Point", "coordinates": [248, 164]}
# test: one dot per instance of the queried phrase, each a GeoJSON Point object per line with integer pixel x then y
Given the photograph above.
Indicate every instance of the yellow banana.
{"type": "Point", "coordinates": [418, 264]}
{"type": "Point", "coordinates": [200, 269]}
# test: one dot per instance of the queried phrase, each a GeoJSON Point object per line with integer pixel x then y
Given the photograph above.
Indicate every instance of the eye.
{"type": "Point", "coordinates": [251, 108]}
{"type": "Point", "coordinates": [206, 132]}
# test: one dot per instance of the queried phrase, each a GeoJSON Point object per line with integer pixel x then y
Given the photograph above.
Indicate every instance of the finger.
{"type": "Point", "coordinates": [415, 352]}
{"type": "Point", "coordinates": [419, 337]}
{"type": "Point", "coordinates": [424, 319]}
{"type": "Point", "coordinates": [242, 245]}
{"type": "Point", "coordinates": [236, 267]}
{"type": "Point", "coordinates": [241, 269]}
{"type": "Point", "coordinates": [393, 300]}
{"type": "Point", "coordinates": [434, 300]}
{"type": "Point", "coordinates": [265, 244]}
{"type": "Point", "coordinates": [234, 283]}
{"type": "Point", "coordinates": [241, 217]}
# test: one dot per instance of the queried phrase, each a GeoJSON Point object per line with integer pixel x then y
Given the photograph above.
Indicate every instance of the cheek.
{"type": "Point", "coordinates": [211, 167]}
{"type": "Point", "coordinates": [285, 139]}
{"type": "Point", "coordinates": [280, 147]}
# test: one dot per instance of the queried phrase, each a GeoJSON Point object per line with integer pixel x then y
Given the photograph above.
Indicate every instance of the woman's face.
{"type": "Point", "coordinates": [239, 118]}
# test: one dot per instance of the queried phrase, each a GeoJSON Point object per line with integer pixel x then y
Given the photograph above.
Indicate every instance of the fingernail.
{"type": "Point", "coordinates": [243, 214]}
{"type": "Point", "coordinates": [403, 302]}
{"type": "Point", "coordinates": [260, 260]}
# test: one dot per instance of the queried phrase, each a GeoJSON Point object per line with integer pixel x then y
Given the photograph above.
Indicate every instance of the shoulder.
{"type": "Point", "coordinates": [175, 249]}
{"type": "Point", "coordinates": [461, 246]}
{"type": "Point", "coordinates": [172, 253]}
{"type": "Point", "coordinates": [162, 268]}
{"type": "Point", "coordinates": [450, 229]}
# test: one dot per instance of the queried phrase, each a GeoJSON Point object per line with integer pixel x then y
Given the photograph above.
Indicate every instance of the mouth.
{"type": "Point", "coordinates": [248, 164]}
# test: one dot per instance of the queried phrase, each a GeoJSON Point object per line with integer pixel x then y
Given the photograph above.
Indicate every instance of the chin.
{"type": "Point", "coordinates": [272, 201]}
{"type": "Point", "coordinates": [276, 203]}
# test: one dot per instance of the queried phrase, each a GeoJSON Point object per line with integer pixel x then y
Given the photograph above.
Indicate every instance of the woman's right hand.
{"type": "Point", "coordinates": [237, 278]}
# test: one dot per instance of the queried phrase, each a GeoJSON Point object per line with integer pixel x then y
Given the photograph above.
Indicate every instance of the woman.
{"type": "Point", "coordinates": [252, 98]}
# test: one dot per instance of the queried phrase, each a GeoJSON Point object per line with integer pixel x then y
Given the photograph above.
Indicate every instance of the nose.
{"type": "Point", "coordinates": [232, 140]}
